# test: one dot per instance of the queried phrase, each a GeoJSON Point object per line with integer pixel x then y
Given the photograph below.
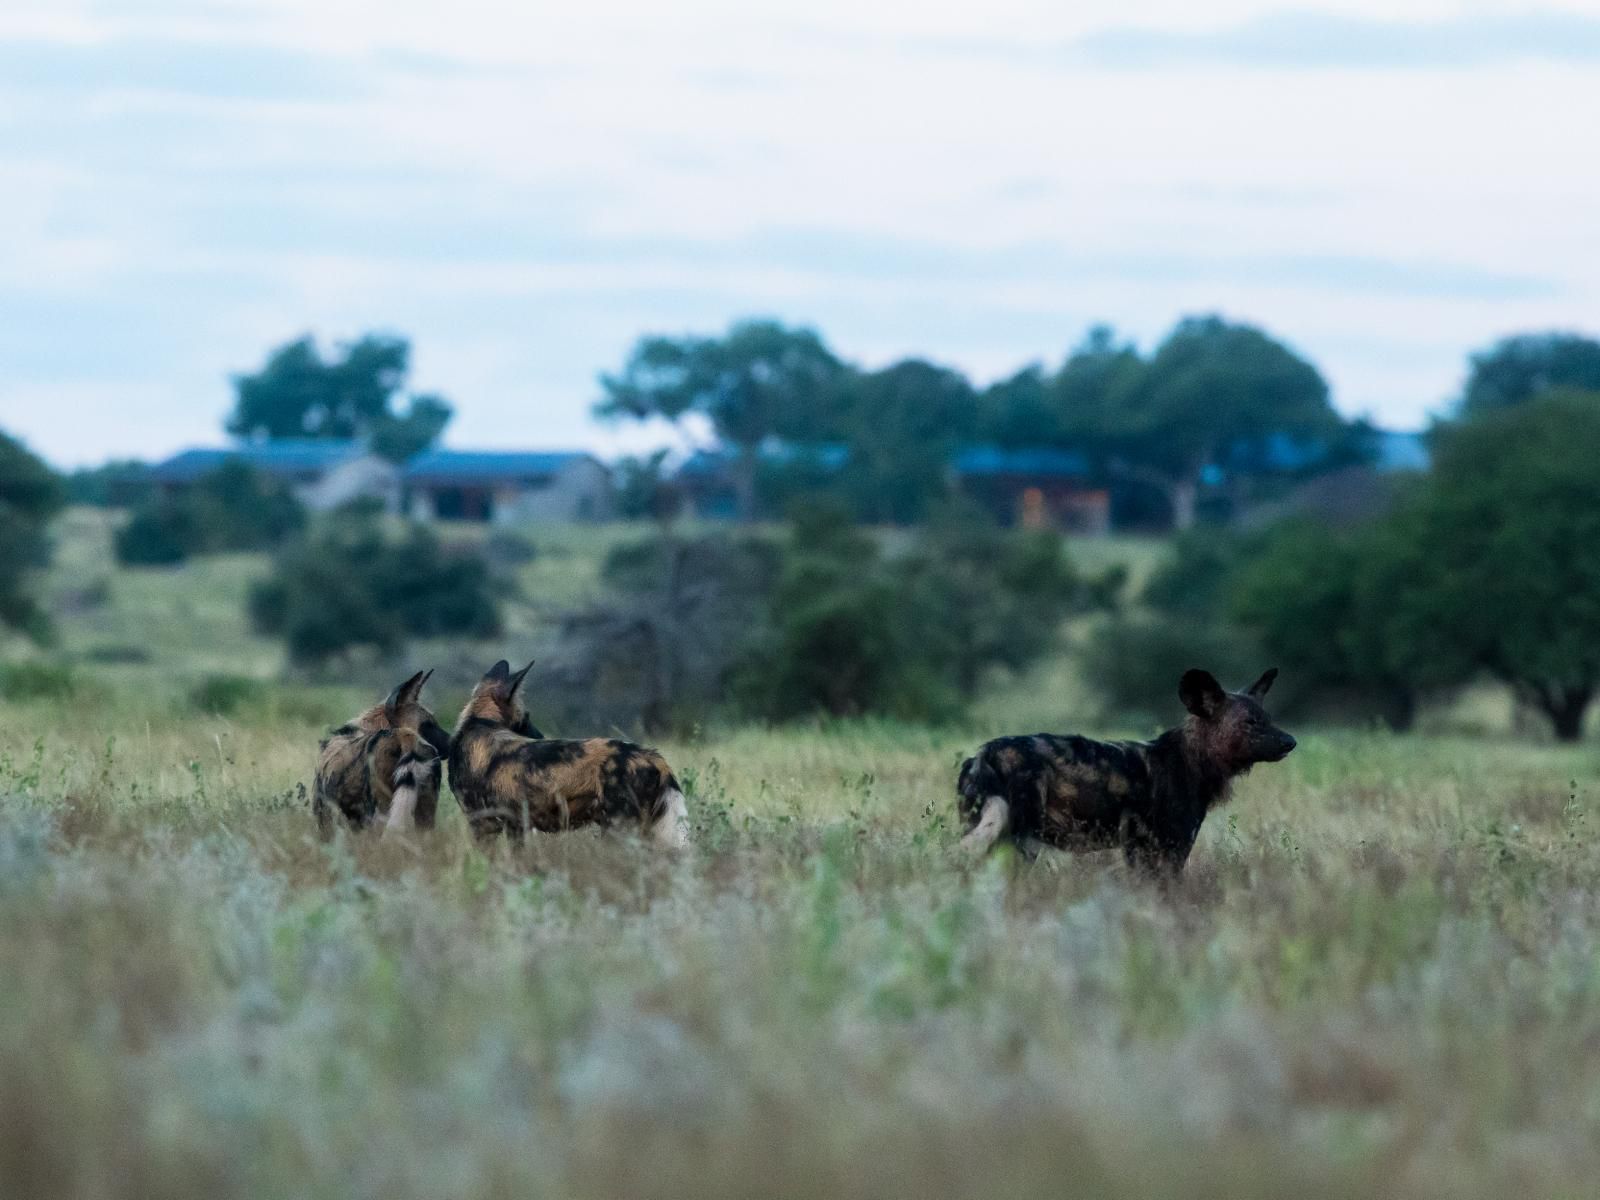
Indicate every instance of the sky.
{"type": "Point", "coordinates": [525, 188]}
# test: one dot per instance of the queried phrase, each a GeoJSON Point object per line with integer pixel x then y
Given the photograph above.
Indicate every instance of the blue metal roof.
{"type": "Point", "coordinates": [999, 460]}
{"type": "Point", "coordinates": [488, 466]}
{"type": "Point", "coordinates": [290, 456]}
{"type": "Point", "coordinates": [1399, 451]}
{"type": "Point", "coordinates": [824, 456]}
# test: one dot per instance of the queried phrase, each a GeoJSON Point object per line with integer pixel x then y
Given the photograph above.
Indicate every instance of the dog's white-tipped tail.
{"type": "Point", "coordinates": [671, 828]}
{"type": "Point", "coordinates": [994, 822]}
{"type": "Point", "coordinates": [402, 818]}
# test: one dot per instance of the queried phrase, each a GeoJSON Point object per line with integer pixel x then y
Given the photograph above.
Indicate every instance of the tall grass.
{"type": "Point", "coordinates": [1379, 976]}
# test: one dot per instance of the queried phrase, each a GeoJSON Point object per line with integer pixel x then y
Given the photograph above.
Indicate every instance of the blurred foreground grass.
{"type": "Point", "coordinates": [1380, 976]}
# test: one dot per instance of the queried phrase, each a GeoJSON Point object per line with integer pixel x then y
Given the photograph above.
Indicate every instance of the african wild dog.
{"type": "Point", "coordinates": [1146, 798]}
{"type": "Point", "coordinates": [509, 779]}
{"type": "Point", "coordinates": [387, 761]}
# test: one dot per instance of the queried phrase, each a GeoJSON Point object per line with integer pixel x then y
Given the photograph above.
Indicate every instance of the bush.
{"type": "Point", "coordinates": [159, 534]}
{"type": "Point", "coordinates": [37, 681]}
{"type": "Point", "coordinates": [853, 632]}
{"type": "Point", "coordinates": [657, 652]}
{"type": "Point", "coordinates": [224, 695]}
{"type": "Point", "coordinates": [1134, 663]}
{"type": "Point", "coordinates": [350, 586]}
{"type": "Point", "coordinates": [234, 508]}
{"type": "Point", "coordinates": [30, 495]}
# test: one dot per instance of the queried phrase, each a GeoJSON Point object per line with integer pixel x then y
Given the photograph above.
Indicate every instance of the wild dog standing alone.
{"type": "Point", "coordinates": [1148, 798]}
{"type": "Point", "coordinates": [387, 761]}
{"type": "Point", "coordinates": [510, 780]}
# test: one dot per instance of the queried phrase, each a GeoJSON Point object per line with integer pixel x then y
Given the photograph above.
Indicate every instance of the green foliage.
{"type": "Point", "coordinates": [400, 436]}
{"type": "Point", "coordinates": [36, 680]}
{"type": "Point", "coordinates": [1194, 579]}
{"type": "Point", "coordinates": [225, 695]}
{"type": "Point", "coordinates": [1507, 537]}
{"type": "Point", "coordinates": [853, 631]}
{"type": "Point", "coordinates": [982, 598]}
{"type": "Point", "coordinates": [1518, 369]}
{"type": "Point", "coordinates": [761, 380]}
{"type": "Point", "coordinates": [349, 585]}
{"type": "Point", "coordinates": [901, 425]}
{"type": "Point", "coordinates": [30, 495]}
{"type": "Point", "coordinates": [1132, 663]}
{"type": "Point", "coordinates": [646, 489]}
{"type": "Point", "coordinates": [351, 394]}
{"type": "Point", "coordinates": [231, 509]}
{"type": "Point", "coordinates": [1334, 609]}
{"type": "Point", "coordinates": [119, 482]}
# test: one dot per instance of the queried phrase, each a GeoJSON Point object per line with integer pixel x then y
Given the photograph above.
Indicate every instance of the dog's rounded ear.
{"type": "Point", "coordinates": [407, 692]}
{"type": "Point", "coordinates": [1263, 685]}
{"type": "Point", "coordinates": [1201, 693]}
{"type": "Point", "coordinates": [498, 673]}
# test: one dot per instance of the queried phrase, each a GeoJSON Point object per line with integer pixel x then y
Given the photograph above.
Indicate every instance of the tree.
{"type": "Point", "coordinates": [1516, 369]}
{"type": "Point", "coordinates": [232, 508]}
{"type": "Point", "coordinates": [1336, 609]}
{"type": "Point", "coordinates": [30, 494]}
{"type": "Point", "coordinates": [904, 421]}
{"type": "Point", "coordinates": [349, 585]}
{"type": "Point", "coordinates": [762, 379]}
{"type": "Point", "coordinates": [1212, 393]}
{"type": "Point", "coordinates": [352, 394]}
{"type": "Point", "coordinates": [1506, 536]}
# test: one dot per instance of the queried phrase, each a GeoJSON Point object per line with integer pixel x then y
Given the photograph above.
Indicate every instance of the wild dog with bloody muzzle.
{"type": "Point", "coordinates": [1146, 798]}
{"type": "Point", "coordinates": [510, 780]}
{"type": "Point", "coordinates": [385, 763]}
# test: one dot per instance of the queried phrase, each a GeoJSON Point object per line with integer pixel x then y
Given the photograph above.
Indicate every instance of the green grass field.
{"type": "Point", "coordinates": [1379, 977]}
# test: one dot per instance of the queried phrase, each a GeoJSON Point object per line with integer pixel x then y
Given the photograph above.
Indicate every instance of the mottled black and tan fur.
{"type": "Point", "coordinates": [385, 763]}
{"type": "Point", "coordinates": [1147, 799]}
{"type": "Point", "coordinates": [509, 779]}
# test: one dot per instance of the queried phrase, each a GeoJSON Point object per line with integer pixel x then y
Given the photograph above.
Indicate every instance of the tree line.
{"type": "Point", "coordinates": [1213, 401]}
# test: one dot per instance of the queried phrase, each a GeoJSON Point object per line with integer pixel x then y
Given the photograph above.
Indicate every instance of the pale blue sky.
{"type": "Point", "coordinates": [522, 189]}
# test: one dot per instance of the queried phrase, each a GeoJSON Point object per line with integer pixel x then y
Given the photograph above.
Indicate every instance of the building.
{"type": "Point", "coordinates": [1041, 488]}
{"type": "Point", "coordinates": [321, 473]}
{"type": "Point", "coordinates": [506, 486]}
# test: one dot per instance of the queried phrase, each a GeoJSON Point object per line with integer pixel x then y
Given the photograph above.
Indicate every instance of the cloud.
{"type": "Point", "coordinates": [1325, 40]}
{"type": "Point", "coordinates": [215, 70]}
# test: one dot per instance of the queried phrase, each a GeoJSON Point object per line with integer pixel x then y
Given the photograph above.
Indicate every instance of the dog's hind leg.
{"type": "Point", "coordinates": [994, 822]}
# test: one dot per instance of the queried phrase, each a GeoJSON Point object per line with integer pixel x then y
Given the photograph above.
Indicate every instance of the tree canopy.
{"type": "Point", "coordinates": [1517, 369]}
{"type": "Point", "coordinates": [1211, 397]}
{"type": "Point", "coordinates": [762, 379]}
{"type": "Point", "coordinates": [30, 494]}
{"type": "Point", "coordinates": [352, 393]}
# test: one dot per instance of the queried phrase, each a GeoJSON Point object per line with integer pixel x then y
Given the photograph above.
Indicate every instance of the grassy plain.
{"type": "Point", "coordinates": [1380, 976]}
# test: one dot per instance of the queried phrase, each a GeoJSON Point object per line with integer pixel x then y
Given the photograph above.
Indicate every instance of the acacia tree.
{"type": "Point", "coordinates": [30, 494]}
{"type": "Point", "coordinates": [1508, 540]}
{"type": "Point", "coordinates": [761, 379]}
{"type": "Point", "coordinates": [352, 393]}
{"type": "Point", "coordinates": [1212, 393]}
{"type": "Point", "coordinates": [1516, 369]}
{"type": "Point", "coordinates": [1337, 609]}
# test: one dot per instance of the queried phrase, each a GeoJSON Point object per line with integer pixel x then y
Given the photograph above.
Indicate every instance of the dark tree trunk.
{"type": "Point", "coordinates": [744, 484]}
{"type": "Point", "coordinates": [1565, 706]}
{"type": "Point", "coordinates": [1400, 709]}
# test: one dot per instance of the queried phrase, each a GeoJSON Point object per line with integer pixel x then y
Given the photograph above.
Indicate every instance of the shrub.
{"type": "Point", "coordinates": [37, 681]}
{"type": "Point", "coordinates": [349, 585]}
{"type": "Point", "coordinates": [1133, 664]}
{"type": "Point", "coordinates": [30, 495]}
{"type": "Point", "coordinates": [232, 508]}
{"type": "Point", "coordinates": [224, 695]}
